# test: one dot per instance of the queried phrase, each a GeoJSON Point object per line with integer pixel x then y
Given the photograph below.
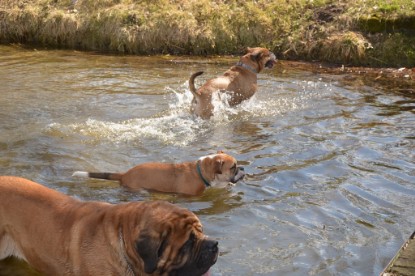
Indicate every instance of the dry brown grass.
{"type": "Point", "coordinates": [346, 48]}
{"type": "Point", "coordinates": [294, 29]}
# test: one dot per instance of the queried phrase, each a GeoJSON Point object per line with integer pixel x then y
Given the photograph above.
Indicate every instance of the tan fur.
{"type": "Point", "coordinates": [59, 235]}
{"type": "Point", "coordinates": [219, 170]}
{"type": "Point", "coordinates": [240, 81]}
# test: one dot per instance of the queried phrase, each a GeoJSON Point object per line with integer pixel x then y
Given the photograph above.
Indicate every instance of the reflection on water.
{"type": "Point", "coordinates": [330, 167]}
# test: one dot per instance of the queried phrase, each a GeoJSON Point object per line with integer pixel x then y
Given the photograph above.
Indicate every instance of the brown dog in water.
{"type": "Point", "coordinates": [60, 235]}
{"type": "Point", "coordinates": [190, 178]}
{"type": "Point", "coordinates": [240, 82]}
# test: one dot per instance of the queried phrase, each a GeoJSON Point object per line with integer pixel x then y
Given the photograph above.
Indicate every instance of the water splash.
{"type": "Point", "coordinates": [176, 126]}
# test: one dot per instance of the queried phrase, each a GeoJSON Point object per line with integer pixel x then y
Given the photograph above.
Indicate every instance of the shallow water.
{"type": "Point", "coordinates": [330, 166]}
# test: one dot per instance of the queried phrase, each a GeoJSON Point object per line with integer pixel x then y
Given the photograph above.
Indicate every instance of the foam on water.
{"type": "Point", "coordinates": [176, 126]}
{"type": "Point", "coordinates": [168, 129]}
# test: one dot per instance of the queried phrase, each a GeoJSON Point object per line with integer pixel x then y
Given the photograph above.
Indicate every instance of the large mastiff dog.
{"type": "Point", "coordinates": [59, 235]}
{"type": "Point", "coordinates": [190, 178]}
{"type": "Point", "coordinates": [240, 82]}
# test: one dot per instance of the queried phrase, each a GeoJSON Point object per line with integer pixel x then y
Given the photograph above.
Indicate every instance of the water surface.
{"type": "Point", "coordinates": [330, 164]}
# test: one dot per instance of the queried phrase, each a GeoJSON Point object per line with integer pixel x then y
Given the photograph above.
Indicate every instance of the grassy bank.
{"type": "Point", "coordinates": [359, 32]}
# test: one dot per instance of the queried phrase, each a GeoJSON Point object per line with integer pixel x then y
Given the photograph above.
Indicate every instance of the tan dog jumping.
{"type": "Point", "coordinates": [190, 178]}
{"type": "Point", "coordinates": [59, 235]}
{"type": "Point", "coordinates": [240, 82]}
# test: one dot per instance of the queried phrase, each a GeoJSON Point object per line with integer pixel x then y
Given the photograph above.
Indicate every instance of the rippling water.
{"type": "Point", "coordinates": [331, 165]}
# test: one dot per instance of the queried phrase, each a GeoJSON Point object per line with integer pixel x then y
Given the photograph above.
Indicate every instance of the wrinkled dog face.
{"type": "Point", "coordinates": [176, 246]}
{"type": "Point", "coordinates": [200, 255]}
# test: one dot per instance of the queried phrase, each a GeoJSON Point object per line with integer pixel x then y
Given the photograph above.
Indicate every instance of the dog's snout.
{"type": "Point", "coordinates": [239, 174]}
{"type": "Point", "coordinates": [209, 254]}
{"type": "Point", "coordinates": [240, 170]}
{"type": "Point", "coordinates": [213, 246]}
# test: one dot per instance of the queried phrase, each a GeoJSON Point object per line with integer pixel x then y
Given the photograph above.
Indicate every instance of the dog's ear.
{"type": "Point", "coordinates": [150, 250]}
{"type": "Point", "coordinates": [147, 249]}
{"type": "Point", "coordinates": [248, 50]}
{"type": "Point", "coordinates": [256, 56]}
{"type": "Point", "coordinates": [218, 165]}
{"type": "Point", "coordinates": [220, 152]}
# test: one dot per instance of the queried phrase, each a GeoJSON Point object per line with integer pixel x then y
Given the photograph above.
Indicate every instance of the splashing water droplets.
{"type": "Point", "coordinates": [176, 126]}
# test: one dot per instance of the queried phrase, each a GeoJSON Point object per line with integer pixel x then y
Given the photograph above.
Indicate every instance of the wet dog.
{"type": "Point", "coordinates": [59, 235]}
{"type": "Point", "coordinates": [240, 82]}
{"type": "Point", "coordinates": [190, 178]}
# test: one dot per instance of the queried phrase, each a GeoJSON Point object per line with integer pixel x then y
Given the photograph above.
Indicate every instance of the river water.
{"type": "Point", "coordinates": [330, 183]}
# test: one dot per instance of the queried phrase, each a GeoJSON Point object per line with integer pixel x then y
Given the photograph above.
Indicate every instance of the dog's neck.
{"type": "Point", "coordinates": [199, 172]}
{"type": "Point", "coordinates": [130, 270]}
{"type": "Point", "coordinates": [248, 67]}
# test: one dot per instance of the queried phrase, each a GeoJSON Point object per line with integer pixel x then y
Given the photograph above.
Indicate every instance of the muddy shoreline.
{"type": "Point", "coordinates": [396, 80]}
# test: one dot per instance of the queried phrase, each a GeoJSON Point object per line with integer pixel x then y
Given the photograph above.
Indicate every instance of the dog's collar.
{"type": "Point", "coordinates": [199, 172]}
{"type": "Point", "coordinates": [246, 66]}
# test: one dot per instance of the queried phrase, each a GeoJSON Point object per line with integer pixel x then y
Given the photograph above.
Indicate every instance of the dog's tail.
{"type": "Point", "coordinates": [192, 82]}
{"type": "Point", "coordinates": [99, 175]}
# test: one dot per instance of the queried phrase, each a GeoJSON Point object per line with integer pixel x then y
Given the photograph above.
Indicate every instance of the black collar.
{"type": "Point", "coordinates": [207, 184]}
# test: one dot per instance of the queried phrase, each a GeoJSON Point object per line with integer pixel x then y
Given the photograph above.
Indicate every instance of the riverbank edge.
{"type": "Point", "coordinates": [323, 32]}
{"type": "Point", "coordinates": [403, 263]}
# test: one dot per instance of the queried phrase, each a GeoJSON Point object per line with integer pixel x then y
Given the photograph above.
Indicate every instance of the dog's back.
{"type": "Point", "coordinates": [240, 81]}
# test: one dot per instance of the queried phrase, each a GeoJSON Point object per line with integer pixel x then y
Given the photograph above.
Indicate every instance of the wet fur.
{"type": "Point", "coordinates": [218, 169]}
{"type": "Point", "coordinates": [59, 235]}
{"type": "Point", "coordinates": [240, 82]}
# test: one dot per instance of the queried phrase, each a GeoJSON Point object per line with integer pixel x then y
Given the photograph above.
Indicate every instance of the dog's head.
{"type": "Point", "coordinates": [221, 169]}
{"type": "Point", "coordinates": [171, 242]}
{"type": "Point", "coordinates": [259, 58]}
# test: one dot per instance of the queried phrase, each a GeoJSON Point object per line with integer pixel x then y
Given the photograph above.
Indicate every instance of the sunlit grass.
{"type": "Point", "coordinates": [293, 29]}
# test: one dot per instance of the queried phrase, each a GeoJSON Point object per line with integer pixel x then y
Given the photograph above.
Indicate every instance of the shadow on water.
{"type": "Point", "coordinates": [13, 266]}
